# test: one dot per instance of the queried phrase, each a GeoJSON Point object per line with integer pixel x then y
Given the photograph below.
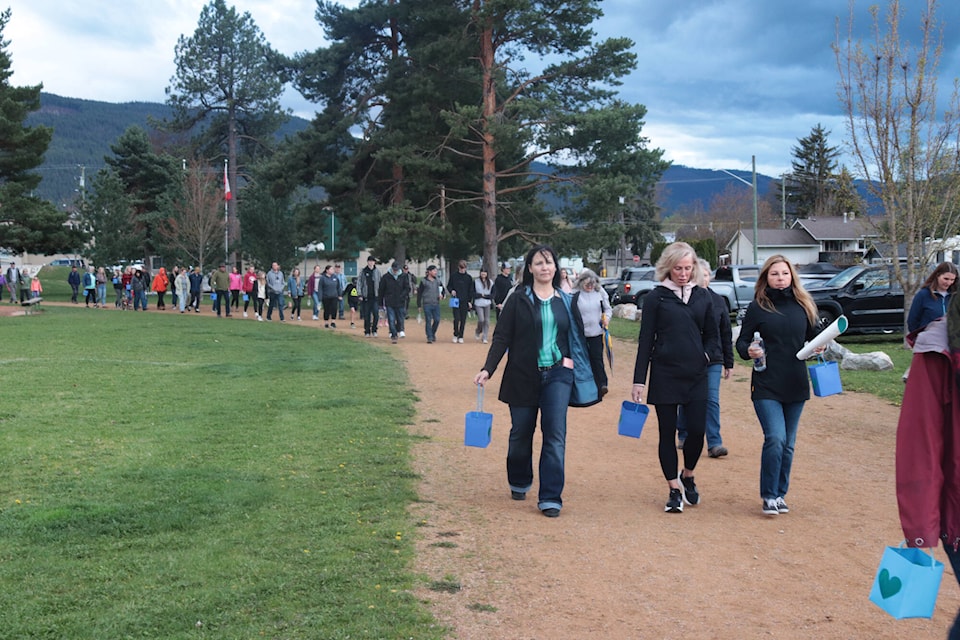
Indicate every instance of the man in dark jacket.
{"type": "Point", "coordinates": [394, 294]}
{"type": "Point", "coordinates": [74, 281]}
{"type": "Point", "coordinates": [460, 287]}
{"type": "Point", "coordinates": [501, 287]}
{"type": "Point", "coordinates": [368, 286]}
{"type": "Point", "coordinates": [196, 285]}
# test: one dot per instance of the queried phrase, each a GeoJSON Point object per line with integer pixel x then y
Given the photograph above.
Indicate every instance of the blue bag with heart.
{"type": "Point", "coordinates": [825, 377]}
{"type": "Point", "coordinates": [907, 582]}
{"type": "Point", "coordinates": [454, 303]}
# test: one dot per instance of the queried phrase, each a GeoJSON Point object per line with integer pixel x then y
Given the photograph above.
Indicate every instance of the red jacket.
{"type": "Point", "coordinates": [928, 453]}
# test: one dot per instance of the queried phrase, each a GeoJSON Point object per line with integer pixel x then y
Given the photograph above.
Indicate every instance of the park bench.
{"type": "Point", "coordinates": [30, 304]}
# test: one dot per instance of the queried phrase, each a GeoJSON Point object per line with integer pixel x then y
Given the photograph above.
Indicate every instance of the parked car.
{"type": "Point", "coordinates": [66, 262]}
{"type": "Point", "coordinates": [815, 274]}
{"type": "Point", "coordinates": [735, 283]}
{"type": "Point", "coordinates": [870, 298]}
{"type": "Point", "coordinates": [610, 286]}
{"type": "Point", "coordinates": [635, 282]}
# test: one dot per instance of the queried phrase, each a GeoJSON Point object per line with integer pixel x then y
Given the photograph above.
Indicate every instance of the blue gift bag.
{"type": "Point", "coordinates": [632, 417]}
{"type": "Point", "coordinates": [478, 424]}
{"type": "Point", "coordinates": [907, 582]}
{"type": "Point", "coordinates": [825, 377]}
{"type": "Point", "coordinates": [246, 297]}
{"type": "Point", "coordinates": [213, 295]}
{"type": "Point", "coordinates": [454, 303]}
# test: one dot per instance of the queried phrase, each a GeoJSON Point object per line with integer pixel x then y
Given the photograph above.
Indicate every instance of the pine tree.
{"type": "Point", "coordinates": [227, 88]}
{"type": "Point", "coordinates": [27, 223]}
{"type": "Point", "coordinates": [813, 182]}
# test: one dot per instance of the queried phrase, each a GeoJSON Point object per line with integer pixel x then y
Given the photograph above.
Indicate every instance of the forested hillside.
{"type": "Point", "coordinates": [83, 131]}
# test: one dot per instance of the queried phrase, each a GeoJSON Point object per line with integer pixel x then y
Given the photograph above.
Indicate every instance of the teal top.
{"type": "Point", "coordinates": [549, 353]}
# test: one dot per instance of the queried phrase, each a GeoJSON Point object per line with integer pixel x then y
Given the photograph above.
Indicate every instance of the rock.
{"type": "Point", "coordinates": [627, 312]}
{"type": "Point", "coordinates": [873, 361]}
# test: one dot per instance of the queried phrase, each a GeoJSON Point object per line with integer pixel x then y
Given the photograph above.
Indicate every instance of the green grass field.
{"type": "Point", "coordinates": [172, 477]}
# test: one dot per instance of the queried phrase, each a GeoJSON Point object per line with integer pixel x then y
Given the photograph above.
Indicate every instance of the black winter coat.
{"type": "Point", "coordinates": [675, 340]}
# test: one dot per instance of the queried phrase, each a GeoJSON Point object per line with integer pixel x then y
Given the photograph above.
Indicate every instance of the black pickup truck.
{"type": "Point", "coordinates": [870, 297]}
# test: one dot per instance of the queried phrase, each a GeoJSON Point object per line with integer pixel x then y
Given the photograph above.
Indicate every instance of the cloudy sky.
{"type": "Point", "coordinates": [722, 80]}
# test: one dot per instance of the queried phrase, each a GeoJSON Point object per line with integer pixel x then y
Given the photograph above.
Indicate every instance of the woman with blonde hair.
{"type": "Point", "coordinates": [785, 316]}
{"type": "Point", "coordinates": [677, 332]}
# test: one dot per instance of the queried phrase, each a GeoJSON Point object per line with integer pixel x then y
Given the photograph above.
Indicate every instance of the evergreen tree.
{"type": "Point", "coordinates": [269, 226]}
{"type": "Point", "coordinates": [108, 214]}
{"type": "Point", "coordinates": [226, 86]}
{"type": "Point", "coordinates": [560, 114]}
{"type": "Point", "coordinates": [813, 182]}
{"type": "Point", "coordinates": [147, 178]}
{"type": "Point", "coordinates": [27, 223]}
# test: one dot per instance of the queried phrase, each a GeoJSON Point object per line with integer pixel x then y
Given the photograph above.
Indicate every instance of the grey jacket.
{"type": "Point", "coordinates": [428, 292]}
{"type": "Point", "coordinates": [275, 281]}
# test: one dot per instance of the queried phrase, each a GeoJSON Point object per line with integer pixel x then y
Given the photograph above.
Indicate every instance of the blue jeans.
{"type": "Point", "coordinates": [779, 421]}
{"type": "Point", "coordinates": [140, 300]}
{"type": "Point", "coordinates": [316, 304]}
{"type": "Point", "coordinates": [395, 316]}
{"type": "Point", "coordinates": [714, 374]}
{"type": "Point", "coordinates": [431, 320]}
{"type": "Point", "coordinates": [102, 294]}
{"type": "Point", "coordinates": [555, 386]}
{"type": "Point", "coordinates": [954, 557]}
{"type": "Point", "coordinates": [276, 301]}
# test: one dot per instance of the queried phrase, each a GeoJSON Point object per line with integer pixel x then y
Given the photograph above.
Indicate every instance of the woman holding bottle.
{"type": "Point", "coordinates": [785, 316]}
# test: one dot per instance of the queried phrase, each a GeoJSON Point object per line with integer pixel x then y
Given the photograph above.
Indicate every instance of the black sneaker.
{"type": "Point", "coordinates": [690, 494]}
{"type": "Point", "coordinates": [770, 507]}
{"type": "Point", "coordinates": [551, 512]}
{"type": "Point", "coordinates": [674, 502]}
{"type": "Point", "coordinates": [782, 506]}
{"type": "Point", "coordinates": [518, 495]}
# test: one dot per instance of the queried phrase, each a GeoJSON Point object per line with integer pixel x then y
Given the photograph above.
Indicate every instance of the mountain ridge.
{"type": "Point", "coordinates": [83, 131]}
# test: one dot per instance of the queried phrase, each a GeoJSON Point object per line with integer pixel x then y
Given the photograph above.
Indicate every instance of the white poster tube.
{"type": "Point", "coordinates": [839, 326]}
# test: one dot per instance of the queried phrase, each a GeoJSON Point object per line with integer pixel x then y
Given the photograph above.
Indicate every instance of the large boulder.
{"type": "Point", "coordinates": [627, 312]}
{"type": "Point", "coordinates": [873, 361]}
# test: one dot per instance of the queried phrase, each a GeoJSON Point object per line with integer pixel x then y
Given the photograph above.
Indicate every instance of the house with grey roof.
{"type": "Point", "coordinates": [840, 240]}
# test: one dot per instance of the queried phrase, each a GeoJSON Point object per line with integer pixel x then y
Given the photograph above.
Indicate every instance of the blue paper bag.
{"type": "Point", "coordinates": [246, 297]}
{"type": "Point", "coordinates": [632, 417]}
{"type": "Point", "coordinates": [825, 377]}
{"type": "Point", "coordinates": [454, 303]}
{"type": "Point", "coordinates": [907, 582]}
{"type": "Point", "coordinates": [479, 425]}
{"type": "Point", "coordinates": [213, 295]}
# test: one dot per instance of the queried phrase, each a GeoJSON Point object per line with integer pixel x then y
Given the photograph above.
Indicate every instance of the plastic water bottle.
{"type": "Point", "coordinates": [759, 364]}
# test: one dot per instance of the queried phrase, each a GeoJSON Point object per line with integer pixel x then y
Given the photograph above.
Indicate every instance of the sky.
{"type": "Point", "coordinates": [723, 81]}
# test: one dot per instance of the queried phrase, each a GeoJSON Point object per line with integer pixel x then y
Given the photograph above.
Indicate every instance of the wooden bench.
{"type": "Point", "coordinates": [30, 304]}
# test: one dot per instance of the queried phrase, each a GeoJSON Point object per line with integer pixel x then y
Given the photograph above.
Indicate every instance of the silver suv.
{"type": "Point", "coordinates": [635, 283]}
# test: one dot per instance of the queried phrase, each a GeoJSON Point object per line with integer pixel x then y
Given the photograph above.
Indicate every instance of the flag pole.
{"type": "Point", "coordinates": [226, 214]}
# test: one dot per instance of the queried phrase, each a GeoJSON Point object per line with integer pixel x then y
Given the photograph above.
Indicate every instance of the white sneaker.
{"type": "Point", "coordinates": [770, 507]}
{"type": "Point", "coordinates": [460, 340]}
{"type": "Point", "coordinates": [259, 319]}
{"type": "Point", "coordinates": [244, 314]}
{"type": "Point", "coordinates": [484, 341]}
{"type": "Point", "coordinates": [454, 339]}
{"type": "Point", "coordinates": [402, 334]}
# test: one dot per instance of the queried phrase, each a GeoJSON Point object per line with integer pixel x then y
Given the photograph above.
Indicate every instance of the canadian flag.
{"type": "Point", "coordinates": [226, 184]}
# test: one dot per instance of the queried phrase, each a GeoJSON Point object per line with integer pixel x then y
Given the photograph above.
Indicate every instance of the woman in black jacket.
{"type": "Point", "coordinates": [677, 332]}
{"type": "Point", "coordinates": [547, 369]}
{"type": "Point", "coordinates": [786, 317]}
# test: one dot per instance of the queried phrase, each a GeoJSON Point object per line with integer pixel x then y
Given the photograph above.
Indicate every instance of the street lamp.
{"type": "Point", "coordinates": [333, 219]}
{"type": "Point", "coordinates": [754, 187]}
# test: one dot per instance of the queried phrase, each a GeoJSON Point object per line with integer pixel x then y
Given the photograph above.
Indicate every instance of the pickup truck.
{"type": "Point", "coordinates": [735, 284]}
{"type": "Point", "coordinates": [870, 298]}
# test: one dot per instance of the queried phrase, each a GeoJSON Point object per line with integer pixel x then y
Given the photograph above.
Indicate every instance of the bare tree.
{"type": "Point", "coordinates": [904, 141]}
{"type": "Point", "coordinates": [196, 226]}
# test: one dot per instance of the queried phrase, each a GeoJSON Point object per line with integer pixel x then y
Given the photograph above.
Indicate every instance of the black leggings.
{"type": "Point", "coordinates": [459, 318]}
{"type": "Point", "coordinates": [295, 302]}
{"type": "Point", "coordinates": [330, 309]}
{"type": "Point", "coordinates": [695, 414]}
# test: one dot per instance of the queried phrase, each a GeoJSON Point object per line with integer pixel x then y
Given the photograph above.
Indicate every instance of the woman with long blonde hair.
{"type": "Point", "coordinates": [785, 316]}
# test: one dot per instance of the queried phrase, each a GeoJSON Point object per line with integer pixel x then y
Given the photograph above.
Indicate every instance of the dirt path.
{"type": "Point", "coordinates": [614, 565]}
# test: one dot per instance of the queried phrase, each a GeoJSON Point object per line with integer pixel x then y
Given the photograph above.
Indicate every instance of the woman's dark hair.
{"type": "Point", "coordinates": [544, 250]}
{"type": "Point", "coordinates": [930, 284]}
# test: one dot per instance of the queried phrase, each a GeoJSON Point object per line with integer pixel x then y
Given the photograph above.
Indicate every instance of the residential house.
{"type": "Point", "coordinates": [839, 240]}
